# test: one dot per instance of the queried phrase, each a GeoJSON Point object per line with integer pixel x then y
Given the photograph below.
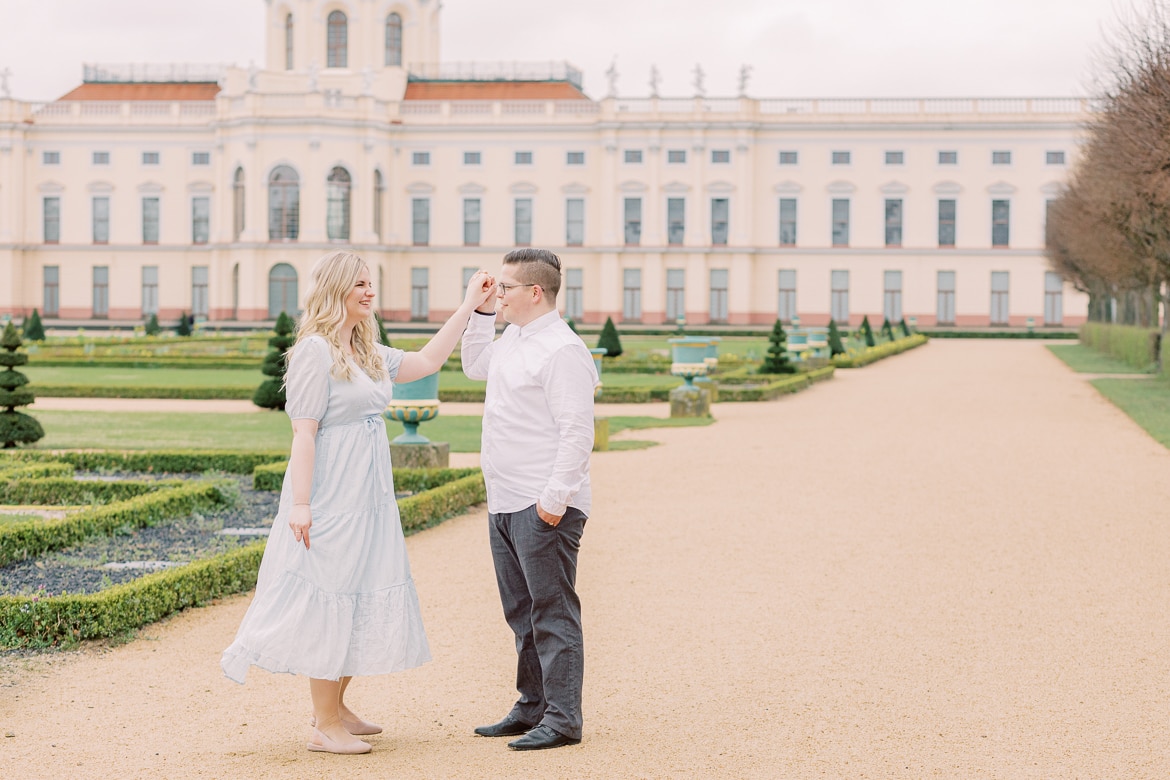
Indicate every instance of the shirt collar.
{"type": "Point", "coordinates": [540, 323]}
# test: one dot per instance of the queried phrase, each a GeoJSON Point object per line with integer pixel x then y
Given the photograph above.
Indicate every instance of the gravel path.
{"type": "Point", "coordinates": [949, 564]}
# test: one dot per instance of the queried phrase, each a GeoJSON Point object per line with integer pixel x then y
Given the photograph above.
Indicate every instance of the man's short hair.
{"type": "Point", "coordinates": [537, 266]}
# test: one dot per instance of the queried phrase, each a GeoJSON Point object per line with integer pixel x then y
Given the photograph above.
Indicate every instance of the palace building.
{"type": "Point", "coordinates": [171, 189]}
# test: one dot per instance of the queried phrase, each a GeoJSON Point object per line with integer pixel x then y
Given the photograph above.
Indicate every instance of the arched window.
{"type": "Point", "coordinates": [336, 39]}
{"type": "Point", "coordinates": [337, 205]}
{"type": "Point", "coordinates": [237, 204]}
{"type": "Point", "coordinates": [282, 290]}
{"type": "Point", "coordinates": [394, 40]}
{"type": "Point", "coordinates": [379, 190]}
{"type": "Point", "coordinates": [236, 292]}
{"type": "Point", "coordinates": [288, 42]}
{"type": "Point", "coordinates": [284, 204]}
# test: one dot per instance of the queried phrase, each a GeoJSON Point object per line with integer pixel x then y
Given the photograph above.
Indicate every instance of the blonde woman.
{"type": "Point", "coordinates": [334, 597]}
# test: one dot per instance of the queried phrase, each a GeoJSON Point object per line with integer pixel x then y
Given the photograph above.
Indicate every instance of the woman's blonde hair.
{"type": "Point", "coordinates": [331, 279]}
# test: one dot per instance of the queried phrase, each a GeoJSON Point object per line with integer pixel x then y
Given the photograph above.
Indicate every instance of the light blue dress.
{"type": "Point", "coordinates": [347, 606]}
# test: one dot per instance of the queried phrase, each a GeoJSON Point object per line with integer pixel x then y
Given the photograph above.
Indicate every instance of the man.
{"type": "Point", "coordinates": [537, 437]}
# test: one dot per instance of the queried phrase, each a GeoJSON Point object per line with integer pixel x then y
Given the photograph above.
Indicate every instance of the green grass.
{"type": "Point", "coordinates": [1146, 401]}
{"type": "Point", "coordinates": [1086, 360]}
{"type": "Point", "coordinates": [260, 431]}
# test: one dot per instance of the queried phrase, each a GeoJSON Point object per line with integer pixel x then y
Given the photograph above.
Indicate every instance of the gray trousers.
{"type": "Point", "coordinates": [536, 570]}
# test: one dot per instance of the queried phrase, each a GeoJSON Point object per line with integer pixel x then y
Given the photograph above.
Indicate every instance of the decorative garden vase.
{"type": "Point", "coordinates": [689, 357]}
{"type": "Point", "coordinates": [413, 403]}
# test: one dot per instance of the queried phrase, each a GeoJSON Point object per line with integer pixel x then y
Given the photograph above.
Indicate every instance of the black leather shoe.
{"type": "Point", "coordinates": [508, 727]}
{"type": "Point", "coordinates": [542, 738]}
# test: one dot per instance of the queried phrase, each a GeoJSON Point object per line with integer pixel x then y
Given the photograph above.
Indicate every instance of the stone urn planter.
{"type": "Point", "coordinates": [414, 403]}
{"type": "Point", "coordinates": [689, 360]}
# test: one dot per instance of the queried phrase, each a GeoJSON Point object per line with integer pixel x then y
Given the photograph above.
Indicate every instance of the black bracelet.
{"type": "Point", "coordinates": [486, 313]}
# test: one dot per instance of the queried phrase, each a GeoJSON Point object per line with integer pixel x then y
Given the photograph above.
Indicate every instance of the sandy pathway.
{"type": "Point", "coordinates": [949, 564]}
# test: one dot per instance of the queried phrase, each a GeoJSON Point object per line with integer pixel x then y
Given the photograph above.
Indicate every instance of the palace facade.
{"type": "Point", "coordinates": [171, 189]}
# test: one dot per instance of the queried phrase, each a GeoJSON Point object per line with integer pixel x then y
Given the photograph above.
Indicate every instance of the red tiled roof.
{"type": "Point", "coordinates": [143, 91]}
{"type": "Point", "coordinates": [493, 90]}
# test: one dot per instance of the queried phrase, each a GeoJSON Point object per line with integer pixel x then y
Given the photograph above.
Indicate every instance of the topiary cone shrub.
{"type": "Point", "coordinates": [867, 331]}
{"type": "Point", "coordinates": [887, 330]}
{"type": "Point", "coordinates": [905, 329]}
{"type": "Point", "coordinates": [33, 329]}
{"type": "Point", "coordinates": [776, 361]}
{"type": "Point", "coordinates": [152, 326]}
{"type": "Point", "coordinates": [15, 427]}
{"type": "Point", "coordinates": [609, 339]}
{"type": "Point", "coordinates": [270, 393]}
{"type": "Point", "coordinates": [835, 345]}
{"type": "Point", "coordinates": [185, 323]}
{"type": "Point", "coordinates": [382, 335]}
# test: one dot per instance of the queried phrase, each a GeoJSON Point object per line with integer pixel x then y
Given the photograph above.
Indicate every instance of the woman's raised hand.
{"type": "Point", "coordinates": [480, 288]}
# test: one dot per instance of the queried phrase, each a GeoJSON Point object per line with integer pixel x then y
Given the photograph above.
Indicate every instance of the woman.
{"type": "Point", "coordinates": [334, 596]}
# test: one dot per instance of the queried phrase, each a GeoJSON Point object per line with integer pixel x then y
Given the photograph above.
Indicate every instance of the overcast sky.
{"type": "Point", "coordinates": [802, 48]}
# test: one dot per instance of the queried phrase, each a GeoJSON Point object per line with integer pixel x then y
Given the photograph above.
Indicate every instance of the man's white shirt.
{"type": "Point", "coordinates": [537, 415]}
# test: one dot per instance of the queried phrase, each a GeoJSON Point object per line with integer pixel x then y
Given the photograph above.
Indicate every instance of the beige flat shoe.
{"type": "Point", "coordinates": [359, 728]}
{"type": "Point", "coordinates": [320, 743]}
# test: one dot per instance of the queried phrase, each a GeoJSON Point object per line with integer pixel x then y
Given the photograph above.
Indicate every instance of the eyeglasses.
{"type": "Point", "coordinates": [505, 287]}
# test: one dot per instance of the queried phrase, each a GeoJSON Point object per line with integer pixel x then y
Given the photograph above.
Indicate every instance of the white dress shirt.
{"type": "Point", "coordinates": [537, 414]}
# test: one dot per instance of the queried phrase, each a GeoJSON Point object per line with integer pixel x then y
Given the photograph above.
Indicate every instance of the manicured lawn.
{"type": "Point", "coordinates": [1146, 401]}
{"type": "Point", "coordinates": [261, 431]}
{"type": "Point", "coordinates": [1086, 360]}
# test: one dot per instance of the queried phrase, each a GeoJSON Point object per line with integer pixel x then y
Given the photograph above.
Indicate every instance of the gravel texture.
{"type": "Point", "coordinates": [951, 563]}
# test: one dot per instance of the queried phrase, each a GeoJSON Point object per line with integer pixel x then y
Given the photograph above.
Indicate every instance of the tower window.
{"type": "Point", "coordinates": [394, 40]}
{"type": "Point", "coordinates": [337, 55]}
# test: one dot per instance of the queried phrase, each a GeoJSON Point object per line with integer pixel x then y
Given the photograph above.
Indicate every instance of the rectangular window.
{"type": "Point", "coordinates": [51, 300]}
{"type": "Point", "coordinates": [420, 158]}
{"type": "Point", "coordinates": [472, 158]}
{"type": "Point", "coordinates": [676, 155]}
{"type": "Point", "coordinates": [1000, 222]}
{"type": "Point", "coordinates": [1000, 311]}
{"type": "Point", "coordinates": [523, 158]}
{"type": "Point", "coordinates": [420, 298]}
{"type": "Point", "coordinates": [420, 221]}
{"type": "Point", "coordinates": [201, 158]}
{"type": "Point", "coordinates": [574, 221]}
{"type": "Point", "coordinates": [1053, 298]}
{"type": "Point", "coordinates": [200, 220]}
{"type": "Point", "coordinates": [632, 294]}
{"type": "Point", "coordinates": [720, 156]}
{"type": "Point", "coordinates": [101, 220]}
{"type": "Point", "coordinates": [676, 221]}
{"type": "Point", "coordinates": [892, 299]}
{"type": "Point", "coordinates": [718, 309]}
{"type": "Point", "coordinates": [1054, 158]}
{"type": "Point", "coordinates": [840, 222]}
{"type": "Point", "coordinates": [946, 298]}
{"type": "Point", "coordinates": [471, 216]}
{"type": "Point", "coordinates": [895, 158]}
{"type": "Point", "coordinates": [574, 293]}
{"type": "Point", "coordinates": [894, 222]}
{"type": "Point", "coordinates": [946, 223]}
{"type": "Point", "coordinates": [676, 304]}
{"type": "Point", "coordinates": [101, 291]}
{"type": "Point", "coordinates": [574, 158]}
{"type": "Point", "coordinates": [841, 158]}
{"type": "Point", "coordinates": [199, 292]}
{"type": "Point", "coordinates": [149, 290]}
{"type": "Point", "coordinates": [50, 158]}
{"type": "Point", "coordinates": [1001, 158]}
{"type": "Point", "coordinates": [523, 219]}
{"type": "Point", "coordinates": [632, 211]}
{"type": "Point", "coordinates": [150, 220]}
{"type": "Point", "coordinates": [720, 215]}
{"type": "Point", "coordinates": [150, 158]}
{"type": "Point", "coordinates": [1048, 206]}
{"type": "Point", "coordinates": [839, 297]}
{"type": "Point", "coordinates": [789, 158]}
{"type": "Point", "coordinates": [468, 272]}
{"type": "Point", "coordinates": [52, 220]}
{"type": "Point", "coordinates": [948, 158]}
{"type": "Point", "coordinates": [788, 222]}
{"type": "Point", "coordinates": [633, 155]}
{"type": "Point", "coordinates": [101, 158]}
{"type": "Point", "coordinates": [786, 308]}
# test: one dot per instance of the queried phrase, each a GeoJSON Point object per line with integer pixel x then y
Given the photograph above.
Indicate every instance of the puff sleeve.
{"type": "Point", "coordinates": [307, 379]}
{"type": "Point", "coordinates": [393, 358]}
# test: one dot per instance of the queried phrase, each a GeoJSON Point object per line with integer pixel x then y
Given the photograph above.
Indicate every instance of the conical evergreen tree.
{"type": "Point", "coordinates": [152, 326]}
{"type": "Point", "coordinates": [776, 361]}
{"type": "Point", "coordinates": [15, 427]}
{"type": "Point", "coordinates": [572, 325]}
{"type": "Point", "coordinates": [184, 326]}
{"type": "Point", "coordinates": [382, 335]}
{"type": "Point", "coordinates": [887, 330]}
{"type": "Point", "coordinates": [867, 332]}
{"type": "Point", "coordinates": [835, 345]}
{"type": "Point", "coordinates": [270, 394]}
{"type": "Point", "coordinates": [903, 326]}
{"type": "Point", "coordinates": [609, 339]}
{"type": "Point", "coordinates": [33, 329]}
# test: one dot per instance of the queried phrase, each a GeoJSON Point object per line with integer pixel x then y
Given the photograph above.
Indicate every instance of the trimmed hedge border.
{"type": "Point", "coordinates": [775, 385]}
{"type": "Point", "coordinates": [54, 491]}
{"type": "Point", "coordinates": [872, 354]}
{"type": "Point", "coordinates": [1038, 333]}
{"type": "Point", "coordinates": [30, 538]}
{"type": "Point", "coordinates": [152, 461]}
{"type": "Point", "coordinates": [214, 361]}
{"type": "Point", "coordinates": [113, 391]}
{"type": "Point", "coordinates": [35, 470]}
{"type": "Point", "coordinates": [271, 477]}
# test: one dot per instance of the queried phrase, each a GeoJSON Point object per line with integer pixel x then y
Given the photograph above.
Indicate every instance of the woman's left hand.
{"type": "Point", "coordinates": [480, 288]}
